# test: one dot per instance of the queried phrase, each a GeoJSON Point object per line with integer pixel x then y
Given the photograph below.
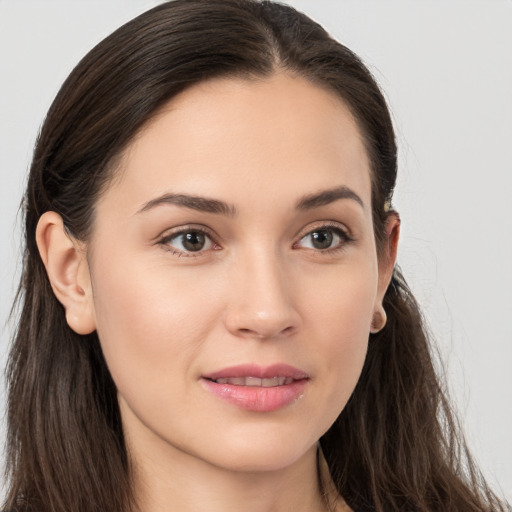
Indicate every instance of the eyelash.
{"type": "Point", "coordinates": [164, 241]}
{"type": "Point", "coordinates": [344, 236]}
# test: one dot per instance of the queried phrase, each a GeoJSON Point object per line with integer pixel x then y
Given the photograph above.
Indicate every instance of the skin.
{"type": "Point", "coordinates": [259, 291]}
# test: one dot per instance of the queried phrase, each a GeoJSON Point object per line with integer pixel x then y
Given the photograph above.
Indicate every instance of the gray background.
{"type": "Point", "coordinates": [446, 69]}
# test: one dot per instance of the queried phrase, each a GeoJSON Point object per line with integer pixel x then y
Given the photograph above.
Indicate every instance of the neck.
{"type": "Point", "coordinates": [179, 481]}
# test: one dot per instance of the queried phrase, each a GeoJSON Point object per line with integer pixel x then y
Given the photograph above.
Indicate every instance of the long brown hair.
{"type": "Point", "coordinates": [396, 444]}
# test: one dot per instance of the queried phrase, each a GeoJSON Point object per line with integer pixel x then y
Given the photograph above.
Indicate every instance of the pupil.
{"type": "Point", "coordinates": [193, 241]}
{"type": "Point", "coordinates": [322, 239]}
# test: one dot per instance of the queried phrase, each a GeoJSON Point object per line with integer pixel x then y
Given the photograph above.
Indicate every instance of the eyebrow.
{"type": "Point", "coordinates": [325, 197]}
{"type": "Point", "coordinates": [202, 204]}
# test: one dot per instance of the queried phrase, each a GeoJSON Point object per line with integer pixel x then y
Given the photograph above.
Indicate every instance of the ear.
{"type": "Point", "coordinates": [66, 265]}
{"type": "Point", "coordinates": [387, 260]}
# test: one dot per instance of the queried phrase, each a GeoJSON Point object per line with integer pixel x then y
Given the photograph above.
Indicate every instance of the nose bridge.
{"type": "Point", "coordinates": [262, 302]}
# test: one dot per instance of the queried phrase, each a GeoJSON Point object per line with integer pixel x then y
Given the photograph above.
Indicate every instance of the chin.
{"type": "Point", "coordinates": [264, 455]}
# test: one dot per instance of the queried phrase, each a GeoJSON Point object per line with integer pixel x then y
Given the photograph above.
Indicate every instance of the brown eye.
{"type": "Point", "coordinates": [324, 238]}
{"type": "Point", "coordinates": [189, 241]}
{"type": "Point", "coordinates": [321, 239]}
{"type": "Point", "coordinates": [194, 241]}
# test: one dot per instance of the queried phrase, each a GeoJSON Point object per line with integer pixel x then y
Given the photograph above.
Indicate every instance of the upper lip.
{"type": "Point", "coordinates": [262, 372]}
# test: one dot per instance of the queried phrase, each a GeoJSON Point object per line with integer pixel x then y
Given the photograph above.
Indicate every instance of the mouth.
{"type": "Point", "coordinates": [255, 381]}
{"type": "Point", "coordinates": [255, 388]}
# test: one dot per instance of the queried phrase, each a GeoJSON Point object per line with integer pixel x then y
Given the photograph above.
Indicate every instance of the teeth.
{"type": "Point", "coordinates": [255, 381]}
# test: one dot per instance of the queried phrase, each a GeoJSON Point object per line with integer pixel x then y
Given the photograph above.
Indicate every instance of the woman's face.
{"type": "Point", "coordinates": [234, 272]}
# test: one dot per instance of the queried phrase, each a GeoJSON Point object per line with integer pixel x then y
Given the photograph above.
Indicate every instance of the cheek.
{"type": "Point", "coordinates": [341, 319]}
{"type": "Point", "coordinates": [149, 321]}
{"type": "Point", "coordinates": [343, 301]}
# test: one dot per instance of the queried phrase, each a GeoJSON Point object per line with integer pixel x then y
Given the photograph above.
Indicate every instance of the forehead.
{"type": "Point", "coordinates": [236, 138]}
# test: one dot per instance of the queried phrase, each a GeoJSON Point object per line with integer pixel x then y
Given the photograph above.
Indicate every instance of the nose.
{"type": "Point", "coordinates": [262, 303]}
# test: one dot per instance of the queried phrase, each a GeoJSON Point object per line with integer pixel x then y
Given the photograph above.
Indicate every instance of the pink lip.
{"type": "Point", "coordinates": [262, 372]}
{"type": "Point", "coordinates": [260, 399]}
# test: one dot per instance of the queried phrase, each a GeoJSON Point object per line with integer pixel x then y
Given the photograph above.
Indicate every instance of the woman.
{"type": "Point", "coordinates": [212, 318]}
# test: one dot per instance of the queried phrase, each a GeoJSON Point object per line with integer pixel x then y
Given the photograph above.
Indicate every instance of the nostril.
{"type": "Point", "coordinates": [261, 334]}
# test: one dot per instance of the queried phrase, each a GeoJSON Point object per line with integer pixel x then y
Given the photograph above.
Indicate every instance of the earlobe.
{"type": "Point", "coordinates": [379, 320]}
{"type": "Point", "coordinates": [68, 272]}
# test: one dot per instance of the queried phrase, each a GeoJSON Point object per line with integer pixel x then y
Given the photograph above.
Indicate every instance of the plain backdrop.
{"type": "Point", "coordinates": [446, 69]}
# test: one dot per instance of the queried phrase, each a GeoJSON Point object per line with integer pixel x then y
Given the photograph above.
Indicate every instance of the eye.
{"type": "Point", "coordinates": [324, 238]}
{"type": "Point", "coordinates": [188, 241]}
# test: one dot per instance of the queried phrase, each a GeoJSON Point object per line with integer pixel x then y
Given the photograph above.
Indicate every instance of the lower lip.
{"type": "Point", "coordinates": [255, 398]}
